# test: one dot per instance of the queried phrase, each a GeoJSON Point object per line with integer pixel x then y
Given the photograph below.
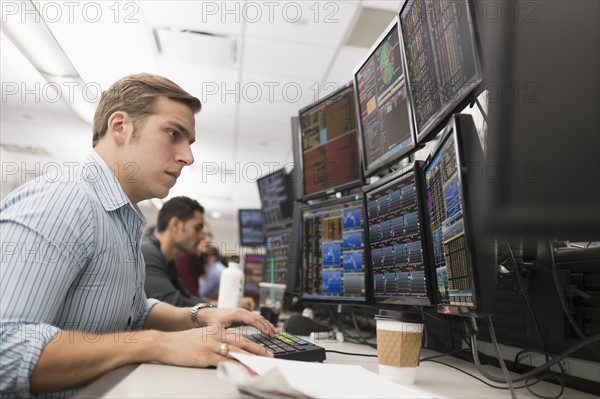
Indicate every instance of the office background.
{"type": "Point", "coordinates": [253, 64]}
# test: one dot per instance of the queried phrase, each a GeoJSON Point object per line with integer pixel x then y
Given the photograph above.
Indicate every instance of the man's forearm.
{"type": "Point", "coordinates": [167, 317]}
{"type": "Point", "coordinates": [79, 357]}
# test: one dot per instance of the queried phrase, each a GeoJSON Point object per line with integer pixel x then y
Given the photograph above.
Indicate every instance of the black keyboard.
{"type": "Point", "coordinates": [287, 346]}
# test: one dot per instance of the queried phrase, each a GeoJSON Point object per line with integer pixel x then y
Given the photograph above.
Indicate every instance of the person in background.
{"type": "Point", "coordinates": [209, 283]}
{"type": "Point", "coordinates": [191, 265]}
{"type": "Point", "coordinates": [178, 230]}
{"type": "Point", "coordinates": [71, 293]}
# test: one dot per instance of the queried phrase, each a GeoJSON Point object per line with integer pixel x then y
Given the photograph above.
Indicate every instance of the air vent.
{"type": "Point", "coordinates": [371, 23]}
{"type": "Point", "coordinates": [195, 47]}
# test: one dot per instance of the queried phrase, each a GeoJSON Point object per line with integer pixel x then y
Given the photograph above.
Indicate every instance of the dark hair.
{"type": "Point", "coordinates": [211, 250]}
{"type": "Point", "coordinates": [182, 208]}
{"type": "Point", "coordinates": [136, 95]}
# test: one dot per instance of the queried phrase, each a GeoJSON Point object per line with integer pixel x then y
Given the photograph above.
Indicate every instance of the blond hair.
{"type": "Point", "coordinates": [136, 95]}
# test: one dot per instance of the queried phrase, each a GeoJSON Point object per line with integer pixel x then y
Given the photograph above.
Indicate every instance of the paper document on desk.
{"type": "Point", "coordinates": [278, 378]}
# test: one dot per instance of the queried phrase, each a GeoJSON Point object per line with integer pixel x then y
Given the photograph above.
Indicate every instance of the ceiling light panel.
{"type": "Point", "coordinates": [196, 48]}
{"type": "Point", "coordinates": [103, 40]}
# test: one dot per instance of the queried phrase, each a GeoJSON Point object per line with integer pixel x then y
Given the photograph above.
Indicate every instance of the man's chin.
{"type": "Point", "coordinates": [162, 194]}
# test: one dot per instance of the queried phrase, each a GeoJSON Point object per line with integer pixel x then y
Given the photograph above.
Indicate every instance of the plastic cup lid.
{"type": "Point", "coordinates": [269, 285]}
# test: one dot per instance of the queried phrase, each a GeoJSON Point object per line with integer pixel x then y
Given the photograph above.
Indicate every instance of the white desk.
{"type": "Point", "coordinates": [159, 381]}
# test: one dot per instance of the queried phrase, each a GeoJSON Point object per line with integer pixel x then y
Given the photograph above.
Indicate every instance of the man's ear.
{"type": "Point", "coordinates": [174, 224]}
{"type": "Point", "coordinates": [119, 126]}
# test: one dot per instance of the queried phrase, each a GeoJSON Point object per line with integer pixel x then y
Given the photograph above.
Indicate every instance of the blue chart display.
{"type": "Point", "coordinates": [332, 282]}
{"type": "Point", "coordinates": [444, 204]}
{"type": "Point", "coordinates": [351, 218]}
{"type": "Point", "coordinates": [331, 254]}
{"type": "Point", "coordinates": [333, 243]}
{"type": "Point", "coordinates": [396, 241]}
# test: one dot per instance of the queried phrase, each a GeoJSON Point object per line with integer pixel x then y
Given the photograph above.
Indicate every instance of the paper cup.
{"type": "Point", "coordinates": [399, 337]}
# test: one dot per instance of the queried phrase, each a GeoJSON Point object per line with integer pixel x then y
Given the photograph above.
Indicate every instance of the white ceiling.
{"type": "Point", "coordinates": [286, 54]}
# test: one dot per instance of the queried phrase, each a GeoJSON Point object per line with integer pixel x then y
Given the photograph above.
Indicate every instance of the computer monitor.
{"type": "Point", "coordinates": [253, 273]}
{"type": "Point", "coordinates": [464, 259]}
{"type": "Point", "coordinates": [330, 160]}
{"type": "Point", "coordinates": [385, 127]}
{"type": "Point", "coordinates": [277, 199]}
{"type": "Point", "coordinates": [543, 137]}
{"type": "Point", "coordinates": [333, 252]}
{"type": "Point", "coordinates": [398, 239]}
{"type": "Point", "coordinates": [277, 244]}
{"type": "Point", "coordinates": [442, 62]}
{"type": "Point", "coordinates": [251, 227]}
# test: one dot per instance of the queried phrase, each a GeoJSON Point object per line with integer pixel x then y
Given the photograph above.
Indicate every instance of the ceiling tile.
{"type": "Point", "coordinates": [284, 59]}
{"type": "Point", "coordinates": [347, 59]}
{"type": "Point", "coordinates": [307, 22]}
{"type": "Point", "coordinates": [117, 42]}
{"type": "Point", "coordinates": [205, 16]}
{"type": "Point", "coordinates": [390, 5]}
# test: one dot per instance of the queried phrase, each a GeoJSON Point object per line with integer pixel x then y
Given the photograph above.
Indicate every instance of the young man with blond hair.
{"type": "Point", "coordinates": [72, 301]}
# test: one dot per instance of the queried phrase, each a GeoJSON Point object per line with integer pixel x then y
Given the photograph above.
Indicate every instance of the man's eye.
{"type": "Point", "coordinates": [173, 133]}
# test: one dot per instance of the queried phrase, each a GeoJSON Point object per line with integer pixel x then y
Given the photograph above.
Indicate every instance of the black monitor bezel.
{"type": "Point", "coordinates": [570, 116]}
{"type": "Point", "coordinates": [300, 260]}
{"type": "Point", "coordinates": [416, 169]}
{"type": "Point", "coordinates": [341, 187]}
{"type": "Point", "coordinates": [482, 264]}
{"type": "Point", "coordinates": [289, 192]}
{"type": "Point", "coordinates": [370, 170]}
{"type": "Point", "coordinates": [439, 121]}
{"type": "Point", "coordinates": [245, 243]}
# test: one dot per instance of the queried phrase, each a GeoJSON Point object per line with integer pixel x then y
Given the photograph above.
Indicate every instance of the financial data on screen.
{"type": "Point", "coordinates": [333, 256]}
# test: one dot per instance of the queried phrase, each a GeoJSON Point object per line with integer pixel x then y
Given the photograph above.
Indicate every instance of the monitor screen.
{"type": "Point", "coordinates": [276, 259]}
{"type": "Point", "coordinates": [441, 59]}
{"type": "Point", "coordinates": [333, 252]}
{"type": "Point", "coordinates": [384, 121]}
{"type": "Point", "coordinates": [251, 227]}
{"type": "Point", "coordinates": [330, 159]}
{"type": "Point", "coordinates": [253, 273]}
{"type": "Point", "coordinates": [398, 239]}
{"type": "Point", "coordinates": [277, 199]}
{"type": "Point", "coordinates": [464, 262]}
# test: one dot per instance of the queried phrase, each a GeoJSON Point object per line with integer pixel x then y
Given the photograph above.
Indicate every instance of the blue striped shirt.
{"type": "Point", "coordinates": [71, 260]}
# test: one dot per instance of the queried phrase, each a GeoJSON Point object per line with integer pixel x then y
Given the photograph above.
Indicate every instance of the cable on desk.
{"type": "Point", "coordinates": [524, 291]}
{"type": "Point", "coordinates": [522, 352]}
{"type": "Point", "coordinates": [356, 327]}
{"type": "Point", "coordinates": [426, 359]}
{"type": "Point", "coordinates": [349, 353]}
{"type": "Point", "coordinates": [561, 383]}
{"type": "Point", "coordinates": [360, 339]}
{"type": "Point", "coordinates": [501, 359]}
{"type": "Point", "coordinates": [527, 385]}
{"type": "Point", "coordinates": [544, 367]}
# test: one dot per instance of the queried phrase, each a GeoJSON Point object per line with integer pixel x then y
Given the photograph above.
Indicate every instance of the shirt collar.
{"type": "Point", "coordinates": [111, 194]}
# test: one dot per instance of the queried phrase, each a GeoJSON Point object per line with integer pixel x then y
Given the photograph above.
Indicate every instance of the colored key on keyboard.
{"type": "Point", "coordinates": [287, 346]}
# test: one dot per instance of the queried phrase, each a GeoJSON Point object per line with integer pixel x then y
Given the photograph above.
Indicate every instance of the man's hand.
{"type": "Point", "coordinates": [224, 318]}
{"type": "Point", "coordinates": [248, 303]}
{"type": "Point", "coordinates": [203, 347]}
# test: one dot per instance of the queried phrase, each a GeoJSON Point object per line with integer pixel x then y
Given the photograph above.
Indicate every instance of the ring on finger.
{"type": "Point", "coordinates": [224, 349]}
